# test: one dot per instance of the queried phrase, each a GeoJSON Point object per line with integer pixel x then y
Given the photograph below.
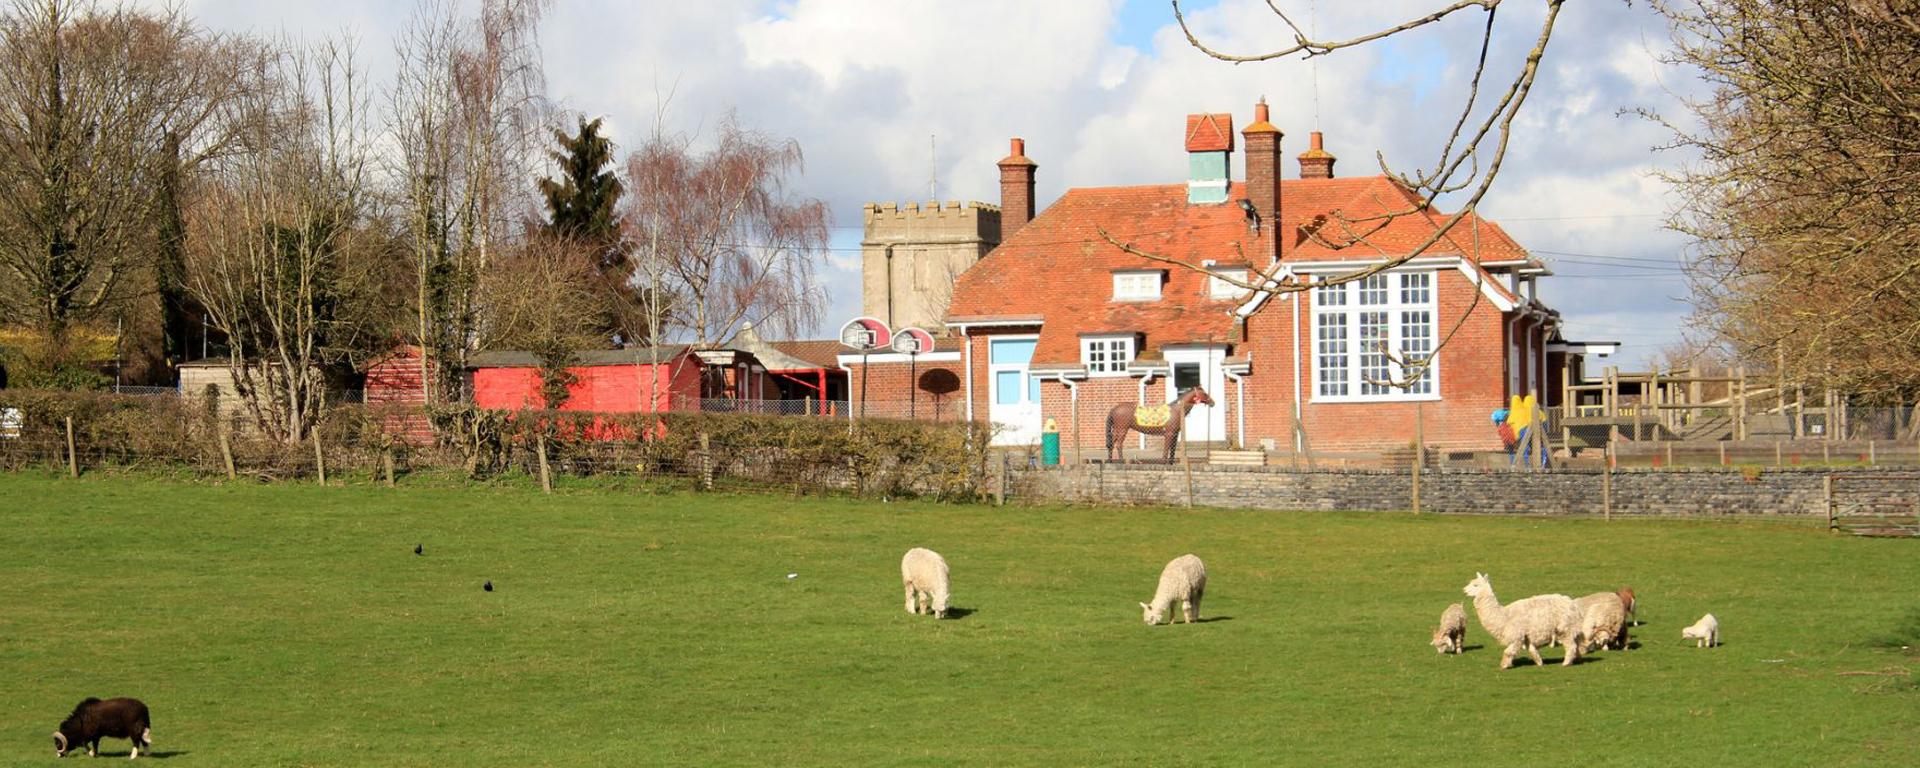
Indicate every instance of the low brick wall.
{"type": "Point", "coordinates": [1644, 493]}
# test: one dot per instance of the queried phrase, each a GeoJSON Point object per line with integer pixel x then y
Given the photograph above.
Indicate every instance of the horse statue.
{"type": "Point", "coordinates": [1163, 420]}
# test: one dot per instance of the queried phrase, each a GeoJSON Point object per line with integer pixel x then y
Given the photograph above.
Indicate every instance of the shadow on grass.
{"type": "Point", "coordinates": [1212, 619]}
{"type": "Point", "coordinates": [161, 755]}
{"type": "Point", "coordinates": [955, 612]}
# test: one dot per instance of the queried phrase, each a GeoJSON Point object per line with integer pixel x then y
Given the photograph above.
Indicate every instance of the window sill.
{"type": "Point", "coordinates": [1108, 375]}
{"type": "Point", "coordinates": [1365, 399]}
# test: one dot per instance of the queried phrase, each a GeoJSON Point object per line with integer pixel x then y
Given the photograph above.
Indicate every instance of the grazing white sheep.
{"type": "Point", "coordinates": [1183, 580]}
{"type": "Point", "coordinates": [1704, 633]}
{"type": "Point", "coordinates": [1451, 635]}
{"type": "Point", "coordinates": [1529, 623]}
{"type": "Point", "coordinates": [923, 572]}
{"type": "Point", "coordinates": [1603, 620]}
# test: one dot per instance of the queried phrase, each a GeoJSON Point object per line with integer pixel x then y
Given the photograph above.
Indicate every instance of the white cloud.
{"type": "Point", "coordinates": [863, 85]}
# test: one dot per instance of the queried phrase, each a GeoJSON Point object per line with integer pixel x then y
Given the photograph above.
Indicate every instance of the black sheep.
{"type": "Point", "coordinates": [94, 719]}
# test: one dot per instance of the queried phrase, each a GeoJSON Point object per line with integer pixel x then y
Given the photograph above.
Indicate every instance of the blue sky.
{"type": "Point", "coordinates": [1099, 89]}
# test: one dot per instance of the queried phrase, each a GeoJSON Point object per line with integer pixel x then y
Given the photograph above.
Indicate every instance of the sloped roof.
{"type": "Point", "coordinates": [1058, 267]}
{"type": "Point", "coordinates": [508, 358]}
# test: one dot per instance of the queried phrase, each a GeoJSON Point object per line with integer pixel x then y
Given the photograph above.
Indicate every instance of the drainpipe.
{"type": "Point", "coordinates": [1143, 401]}
{"type": "Point", "coordinates": [966, 354]}
{"type": "Point", "coordinates": [849, 371]}
{"type": "Point", "coordinates": [1299, 443]}
{"type": "Point", "coordinates": [1240, 405]}
{"type": "Point", "coordinates": [1073, 411]}
{"type": "Point", "coordinates": [1519, 377]}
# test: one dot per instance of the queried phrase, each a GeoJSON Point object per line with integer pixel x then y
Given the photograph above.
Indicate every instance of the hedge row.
{"type": "Point", "coordinates": [870, 457]}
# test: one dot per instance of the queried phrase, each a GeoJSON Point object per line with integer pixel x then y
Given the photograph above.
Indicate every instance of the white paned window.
{"type": "Point", "coordinates": [1136, 286]}
{"type": "Point", "coordinates": [1106, 355]}
{"type": "Point", "coordinates": [1357, 324]}
{"type": "Point", "coordinates": [1219, 288]}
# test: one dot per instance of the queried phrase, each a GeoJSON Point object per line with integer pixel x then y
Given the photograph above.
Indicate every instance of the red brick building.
{"type": "Point", "coordinates": [1061, 323]}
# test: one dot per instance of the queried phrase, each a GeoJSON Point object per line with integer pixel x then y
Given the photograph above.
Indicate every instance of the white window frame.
{"type": "Point", "coordinates": [1126, 284]}
{"type": "Point", "coordinates": [1399, 286]}
{"type": "Point", "coordinates": [1107, 368]}
{"type": "Point", "coordinates": [1219, 289]}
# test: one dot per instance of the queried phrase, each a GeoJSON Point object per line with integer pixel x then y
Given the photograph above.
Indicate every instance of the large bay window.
{"type": "Point", "coordinates": [1106, 355]}
{"type": "Point", "coordinates": [1371, 334]}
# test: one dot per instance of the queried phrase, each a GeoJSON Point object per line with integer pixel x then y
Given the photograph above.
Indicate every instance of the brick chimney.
{"type": "Point", "coordinates": [1016, 190]}
{"type": "Point", "coordinates": [1263, 177]}
{"type": "Point", "coordinates": [1316, 162]}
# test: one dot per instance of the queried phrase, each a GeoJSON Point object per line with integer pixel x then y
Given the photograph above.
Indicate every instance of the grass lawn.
{"type": "Point", "coordinates": [293, 625]}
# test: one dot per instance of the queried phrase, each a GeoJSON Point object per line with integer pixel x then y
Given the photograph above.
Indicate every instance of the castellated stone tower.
{"type": "Point", "coordinates": [912, 255]}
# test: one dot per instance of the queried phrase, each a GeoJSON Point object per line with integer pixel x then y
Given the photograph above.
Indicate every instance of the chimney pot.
{"type": "Point", "coordinates": [1019, 148]}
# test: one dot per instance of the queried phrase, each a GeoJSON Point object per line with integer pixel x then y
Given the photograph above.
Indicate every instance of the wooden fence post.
{"type": "Point", "coordinates": [546, 478]}
{"type": "Point", "coordinates": [1606, 484]}
{"type": "Point", "coordinates": [1776, 453]}
{"type": "Point", "coordinates": [1873, 457]}
{"type": "Point", "coordinates": [1723, 453]}
{"type": "Point", "coordinates": [319, 457]}
{"type": "Point", "coordinates": [1826, 492]}
{"type": "Point", "coordinates": [706, 463]}
{"type": "Point", "coordinates": [226, 451]}
{"type": "Point", "coordinates": [1669, 454]}
{"type": "Point", "coordinates": [1000, 488]}
{"type": "Point", "coordinates": [73, 455]}
{"type": "Point", "coordinates": [386, 464]}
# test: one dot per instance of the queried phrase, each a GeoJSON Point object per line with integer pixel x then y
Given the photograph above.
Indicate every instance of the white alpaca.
{"type": "Point", "coordinates": [1529, 623]}
{"type": "Point", "coordinates": [1704, 633]}
{"type": "Point", "coordinates": [1452, 632]}
{"type": "Point", "coordinates": [923, 572]}
{"type": "Point", "coordinates": [1183, 580]}
{"type": "Point", "coordinates": [1603, 620]}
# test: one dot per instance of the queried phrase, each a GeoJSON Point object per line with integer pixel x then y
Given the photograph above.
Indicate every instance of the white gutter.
{"type": "Point", "coordinates": [1073, 409]}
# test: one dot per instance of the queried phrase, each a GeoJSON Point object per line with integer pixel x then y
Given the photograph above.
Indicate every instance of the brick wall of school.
{"type": "Point", "coordinates": [930, 390]}
{"type": "Point", "coordinates": [1638, 493]}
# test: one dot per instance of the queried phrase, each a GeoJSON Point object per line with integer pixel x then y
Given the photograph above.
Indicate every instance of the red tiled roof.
{"type": "Point", "coordinates": [1059, 267]}
{"type": "Point", "coordinates": [1210, 132]}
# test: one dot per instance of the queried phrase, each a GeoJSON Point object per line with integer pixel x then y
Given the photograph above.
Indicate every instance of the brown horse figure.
{"type": "Point", "coordinates": [1124, 418]}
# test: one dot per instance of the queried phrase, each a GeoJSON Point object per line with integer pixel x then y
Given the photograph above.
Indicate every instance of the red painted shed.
{"type": "Point", "coordinates": [605, 380]}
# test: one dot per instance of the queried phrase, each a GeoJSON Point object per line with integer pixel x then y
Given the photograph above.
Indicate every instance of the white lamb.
{"type": "Point", "coordinates": [923, 572]}
{"type": "Point", "coordinates": [1603, 620]}
{"type": "Point", "coordinates": [1183, 580]}
{"type": "Point", "coordinates": [1704, 633]}
{"type": "Point", "coordinates": [1450, 636]}
{"type": "Point", "coordinates": [1529, 623]}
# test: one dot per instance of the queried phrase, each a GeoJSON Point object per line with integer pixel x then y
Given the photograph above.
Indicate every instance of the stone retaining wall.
{"type": "Point", "coordinates": [1644, 493]}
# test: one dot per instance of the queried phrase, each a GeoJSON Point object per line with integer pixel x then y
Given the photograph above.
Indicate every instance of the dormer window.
{"type": "Point", "coordinates": [1222, 285]}
{"type": "Point", "coordinates": [1137, 285]}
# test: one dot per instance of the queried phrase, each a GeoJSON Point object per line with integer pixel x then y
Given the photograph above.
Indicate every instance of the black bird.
{"type": "Point", "coordinates": [418, 549]}
{"type": "Point", "coordinates": [488, 586]}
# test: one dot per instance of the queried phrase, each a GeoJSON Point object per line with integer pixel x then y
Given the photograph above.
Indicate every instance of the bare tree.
{"type": "Point", "coordinates": [720, 234]}
{"type": "Point", "coordinates": [1806, 244]}
{"type": "Point", "coordinates": [464, 114]}
{"type": "Point", "coordinates": [544, 295]}
{"type": "Point", "coordinates": [275, 246]}
{"type": "Point", "coordinates": [97, 108]}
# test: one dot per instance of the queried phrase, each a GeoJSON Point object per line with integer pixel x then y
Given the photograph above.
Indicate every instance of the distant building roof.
{"type": "Point", "coordinates": [505, 358]}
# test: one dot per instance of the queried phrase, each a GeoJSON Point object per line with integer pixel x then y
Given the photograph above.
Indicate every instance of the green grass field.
{"type": "Point", "coordinates": [293, 625]}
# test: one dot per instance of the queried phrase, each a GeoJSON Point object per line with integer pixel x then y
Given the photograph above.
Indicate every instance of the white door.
{"type": "Point", "coordinates": [1014, 395]}
{"type": "Point", "coordinates": [1200, 368]}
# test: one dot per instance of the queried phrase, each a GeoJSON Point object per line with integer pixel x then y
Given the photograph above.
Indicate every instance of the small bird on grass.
{"type": "Point", "coordinates": [419, 549]}
{"type": "Point", "coordinates": [488, 586]}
